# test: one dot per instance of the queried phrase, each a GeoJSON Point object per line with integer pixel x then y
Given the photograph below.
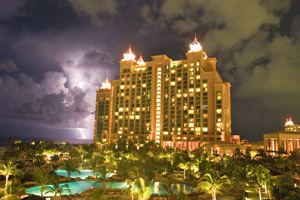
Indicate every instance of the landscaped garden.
{"type": "Point", "coordinates": [100, 171]}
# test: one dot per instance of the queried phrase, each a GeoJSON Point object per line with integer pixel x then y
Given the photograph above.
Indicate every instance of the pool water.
{"type": "Point", "coordinates": [78, 187]}
{"type": "Point", "coordinates": [84, 173]}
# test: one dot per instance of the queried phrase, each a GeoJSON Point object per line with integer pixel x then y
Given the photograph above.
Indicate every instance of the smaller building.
{"type": "Point", "coordinates": [224, 148]}
{"type": "Point", "coordinates": [283, 142]}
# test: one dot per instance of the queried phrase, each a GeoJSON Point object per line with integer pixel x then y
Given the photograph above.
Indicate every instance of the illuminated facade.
{"type": "Point", "coordinates": [182, 103]}
{"type": "Point", "coordinates": [283, 142]}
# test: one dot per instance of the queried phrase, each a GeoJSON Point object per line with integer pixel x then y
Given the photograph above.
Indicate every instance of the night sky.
{"type": "Point", "coordinates": [54, 55]}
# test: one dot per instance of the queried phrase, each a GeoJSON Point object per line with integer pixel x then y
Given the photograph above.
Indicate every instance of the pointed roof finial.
{"type": "Point", "coordinates": [140, 61]}
{"type": "Point", "coordinates": [128, 55]}
{"type": "Point", "coordinates": [289, 122]}
{"type": "Point", "coordinates": [106, 84]}
{"type": "Point", "coordinates": [195, 46]}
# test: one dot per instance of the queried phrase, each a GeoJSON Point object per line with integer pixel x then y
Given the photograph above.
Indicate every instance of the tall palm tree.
{"type": "Point", "coordinates": [212, 185]}
{"type": "Point", "coordinates": [8, 169]}
{"type": "Point", "coordinates": [184, 166]}
{"type": "Point", "coordinates": [42, 178]}
{"type": "Point", "coordinates": [144, 190]}
{"type": "Point", "coordinates": [102, 175]}
{"type": "Point", "coordinates": [260, 177]}
{"type": "Point", "coordinates": [132, 186]}
{"type": "Point", "coordinates": [168, 187]}
{"type": "Point", "coordinates": [11, 192]}
{"type": "Point", "coordinates": [70, 166]}
{"type": "Point", "coordinates": [56, 188]}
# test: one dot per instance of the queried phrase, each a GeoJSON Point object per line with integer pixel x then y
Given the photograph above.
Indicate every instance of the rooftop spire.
{"type": "Point", "coordinates": [140, 61]}
{"type": "Point", "coordinates": [289, 122]}
{"type": "Point", "coordinates": [195, 46]}
{"type": "Point", "coordinates": [106, 84]}
{"type": "Point", "coordinates": [128, 55]}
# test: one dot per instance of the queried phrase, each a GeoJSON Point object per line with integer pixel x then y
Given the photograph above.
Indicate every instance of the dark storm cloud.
{"type": "Point", "coordinates": [8, 66]}
{"type": "Point", "coordinates": [98, 11]}
{"type": "Point", "coordinates": [60, 52]}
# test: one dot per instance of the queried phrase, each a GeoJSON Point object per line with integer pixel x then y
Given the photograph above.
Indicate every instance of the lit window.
{"type": "Point", "coordinates": [172, 83]}
{"type": "Point", "coordinates": [204, 85]}
{"type": "Point", "coordinates": [191, 90]}
{"type": "Point", "coordinates": [191, 124]}
{"type": "Point", "coordinates": [137, 117]}
{"type": "Point", "coordinates": [198, 77]}
{"type": "Point", "coordinates": [122, 86]}
{"type": "Point", "coordinates": [173, 71]}
{"type": "Point", "coordinates": [219, 111]}
{"type": "Point", "coordinates": [204, 129]}
{"type": "Point", "coordinates": [191, 111]}
{"type": "Point", "coordinates": [198, 90]}
{"type": "Point", "coordinates": [120, 109]}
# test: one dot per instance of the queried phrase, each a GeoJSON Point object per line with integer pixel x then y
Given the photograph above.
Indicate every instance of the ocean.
{"type": "Point", "coordinates": [4, 140]}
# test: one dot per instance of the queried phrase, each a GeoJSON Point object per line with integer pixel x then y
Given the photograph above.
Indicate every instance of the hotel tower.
{"type": "Point", "coordinates": [177, 103]}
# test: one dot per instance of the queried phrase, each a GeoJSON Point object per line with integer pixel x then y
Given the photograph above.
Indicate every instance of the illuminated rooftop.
{"type": "Point", "coordinates": [140, 61]}
{"type": "Point", "coordinates": [195, 46]}
{"type": "Point", "coordinates": [128, 55]}
{"type": "Point", "coordinates": [106, 85]}
{"type": "Point", "coordinates": [289, 122]}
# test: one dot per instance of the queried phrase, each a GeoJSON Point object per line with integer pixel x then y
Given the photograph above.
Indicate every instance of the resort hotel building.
{"type": "Point", "coordinates": [176, 103]}
{"type": "Point", "coordinates": [283, 142]}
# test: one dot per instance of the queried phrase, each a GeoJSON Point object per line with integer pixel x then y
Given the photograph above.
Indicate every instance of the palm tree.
{"type": "Point", "coordinates": [181, 196]}
{"type": "Point", "coordinates": [70, 167]}
{"type": "Point", "coordinates": [81, 151]}
{"type": "Point", "coordinates": [8, 169]}
{"type": "Point", "coordinates": [11, 192]}
{"type": "Point", "coordinates": [102, 175]}
{"type": "Point", "coordinates": [168, 187]}
{"type": "Point", "coordinates": [56, 188]}
{"type": "Point", "coordinates": [42, 178]}
{"type": "Point", "coordinates": [212, 185]}
{"type": "Point", "coordinates": [184, 166]}
{"type": "Point", "coordinates": [144, 190]}
{"type": "Point", "coordinates": [260, 177]}
{"type": "Point", "coordinates": [94, 165]}
{"type": "Point", "coordinates": [132, 185]}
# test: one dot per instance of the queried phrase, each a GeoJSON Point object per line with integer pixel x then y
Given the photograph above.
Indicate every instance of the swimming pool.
{"type": "Point", "coordinates": [78, 187]}
{"type": "Point", "coordinates": [84, 173]}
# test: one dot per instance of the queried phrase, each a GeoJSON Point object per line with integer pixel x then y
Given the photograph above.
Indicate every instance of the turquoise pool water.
{"type": "Point", "coordinates": [78, 187]}
{"type": "Point", "coordinates": [84, 173]}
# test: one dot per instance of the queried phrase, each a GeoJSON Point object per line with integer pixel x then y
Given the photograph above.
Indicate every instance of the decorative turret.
{"type": "Point", "coordinates": [140, 61]}
{"type": "Point", "coordinates": [289, 122]}
{"type": "Point", "coordinates": [106, 85]}
{"type": "Point", "coordinates": [128, 55]}
{"type": "Point", "coordinates": [195, 46]}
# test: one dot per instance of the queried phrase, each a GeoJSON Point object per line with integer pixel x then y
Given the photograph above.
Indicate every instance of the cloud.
{"type": "Point", "coordinates": [96, 10]}
{"type": "Point", "coordinates": [8, 66]}
{"type": "Point", "coordinates": [9, 8]}
{"type": "Point", "coordinates": [273, 79]}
